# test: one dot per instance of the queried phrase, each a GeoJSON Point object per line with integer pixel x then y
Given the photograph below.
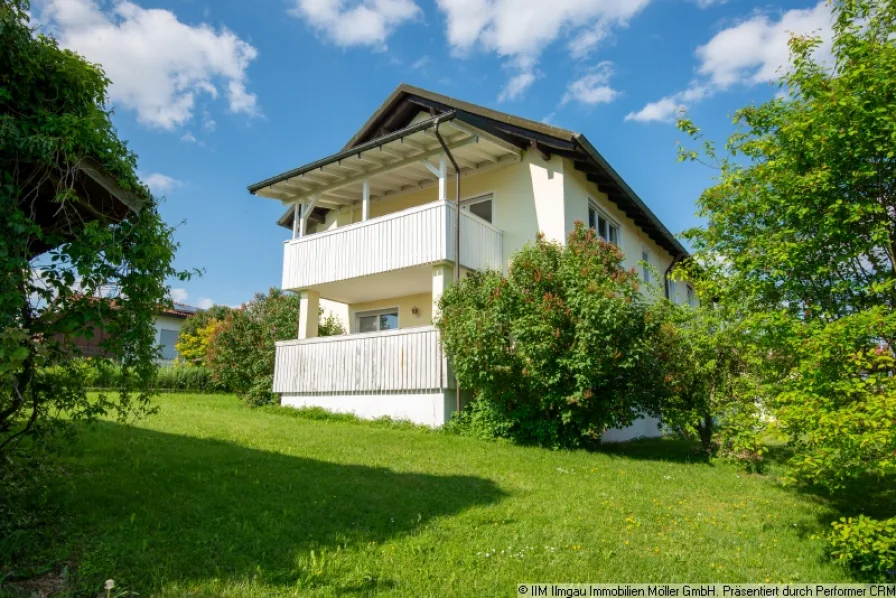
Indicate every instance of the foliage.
{"type": "Point", "coordinates": [803, 215]}
{"type": "Point", "coordinates": [837, 401]}
{"type": "Point", "coordinates": [562, 347]}
{"type": "Point", "coordinates": [866, 544]}
{"type": "Point", "coordinates": [482, 419]}
{"type": "Point", "coordinates": [105, 374]}
{"type": "Point", "coordinates": [52, 116]}
{"type": "Point", "coordinates": [801, 230]}
{"type": "Point", "coordinates": [241, 355]}
{"type": "Point", "coordinates": [194, 346]}
{"type": "Point", "coordinates": [710, 393]}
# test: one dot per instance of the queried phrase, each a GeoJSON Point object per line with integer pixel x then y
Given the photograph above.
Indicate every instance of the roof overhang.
{"type": "Point", "coordinates": [394, 138]}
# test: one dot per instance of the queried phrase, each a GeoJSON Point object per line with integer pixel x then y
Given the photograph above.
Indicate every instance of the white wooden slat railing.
{"type": "Point", "coordinates": [413, 237]}
{"type": "Point", "coordinates": [410, 359]}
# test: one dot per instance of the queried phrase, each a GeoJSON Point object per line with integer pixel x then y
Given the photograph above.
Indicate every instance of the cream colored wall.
{"type": "Point", "coordinates": [405, 305]}
{"type": "Point", "coordinates": [579, 189]}
{"type": "Point", "coordinates": [528, 199]}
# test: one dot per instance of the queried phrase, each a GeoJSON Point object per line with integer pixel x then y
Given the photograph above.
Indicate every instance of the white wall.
{"type": "Point", "coordinates": [167, 323]}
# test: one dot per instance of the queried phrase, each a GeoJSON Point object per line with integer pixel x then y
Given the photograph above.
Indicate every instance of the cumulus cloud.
{"type": "Point", "coordinates": [204, 303]}
{"type": "Point", "coordinates": [356, 23]}
{"type": "Point", "coordinates": [750, 52]}
{"type": "Point", "coordinates": [592, 88]}
{"type": "Point", "coordinates": [158, 65]}
{"type": "Point", "coordinates": [179, 295]}
{"type": "Point", "coordinates": [520, 30]}
{"type": "Point", "coordinates": [160, 183]}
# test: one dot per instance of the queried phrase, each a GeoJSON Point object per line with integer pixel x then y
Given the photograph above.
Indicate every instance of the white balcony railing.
{"type": "Point", "coordinates": [413, 237]}
{"type": "Point", "coordinates": [395, 360]}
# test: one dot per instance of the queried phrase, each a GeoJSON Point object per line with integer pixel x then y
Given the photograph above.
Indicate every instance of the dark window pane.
{"type": "Point", "coordinates": [592, 218]}
{"type": "Point", "coordinates": [367, 324]}
{"type": "Point", "coordinates": [167, 340]}
{"type": "Point", "coordinates": [483, 209]}
{"type": "Point", "coordinates": [614, 235]}
{"type": "Point", "coordinates": [602, 227]}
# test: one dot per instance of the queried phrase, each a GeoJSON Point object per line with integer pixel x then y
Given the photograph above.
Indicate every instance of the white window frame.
{"type": "Point", "coordinates": [376, 312]}
{"type": "Point", "coordinates": [691, 296]}
{"type": "Point", "coordinates": [465, 203]}
{"type": "Point", "coordinates": [601, 213]}
{"type": "Point", "coordinates": [172, 346]}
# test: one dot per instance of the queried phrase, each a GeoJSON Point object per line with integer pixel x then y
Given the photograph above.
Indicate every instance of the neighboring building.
{"type": "Point", "coordinates": [373, 229]}
{"type": "Point", "coordinates": [168, 323]}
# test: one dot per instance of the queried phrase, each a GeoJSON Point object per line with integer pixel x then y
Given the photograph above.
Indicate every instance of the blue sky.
{"type": "Point", "coordinates": [215, 95]}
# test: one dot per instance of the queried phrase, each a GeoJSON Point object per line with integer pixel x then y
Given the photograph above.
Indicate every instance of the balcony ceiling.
{"type": "Point", "coordinates": [395, 165]}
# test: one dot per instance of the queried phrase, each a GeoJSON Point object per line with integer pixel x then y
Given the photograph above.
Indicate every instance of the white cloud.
{"type": "Point", "coordinates": [160, 183]}
{"type": "Point", "coordinates": [204, 303]}
{"type": "Point", "coordinates": [356, 23]}
{"type": "Point", "coordinates": [158, 65]}
{"type": "Point", "coordinates": [520, 30]}
{"type": "Point", "coordinates": [179, 295]}
{"type": "Point", "coordinates": [421, 63]}
{"type": "Point", "coordinates": [188, 137]}
{"type": "Point", "coordinates": [593, 88]}
{"type": "Point", "coordinates": [708, 3]}
{"type": "Point", "coordinates": [753, 51]}
{"type": "Point", "coordinates": [668, 108]}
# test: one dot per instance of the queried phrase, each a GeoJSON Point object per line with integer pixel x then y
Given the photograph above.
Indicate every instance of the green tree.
{"type": "Point", "coordinates": [242, 352]}
{"type": "Point", "coordinates": [58, 256]}
{"type": "Point", "coordinates": [801, 229]}
{"type": "Point", "coordinates": [198, 333]}
{"type": "Point", "coordinates": [560, 349]}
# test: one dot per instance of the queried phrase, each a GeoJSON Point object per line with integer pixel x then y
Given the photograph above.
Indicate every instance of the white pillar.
{"type": "Point", "coordinates": [365, 200]}
{"type": "Point", "coordinates": [296, 209]}
{"type": "Point", "coordinates": [309, 314]}
{"type": "Point", "coordinates": [442, 275]}
{"type": "Point", "coordinates": [443, 179]}
{"type": "Point", "coordinates": [300, 207]}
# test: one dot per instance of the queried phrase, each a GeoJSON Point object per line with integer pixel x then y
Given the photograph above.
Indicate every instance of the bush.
{"type": "Point", "coordinates": [559, 350]}
{"type": "Point", "coordinates": [867, 544]}
{"type": "Point", "coordinates": [104, 374]}
{"type": "Point", "coordinates": [241, 355]}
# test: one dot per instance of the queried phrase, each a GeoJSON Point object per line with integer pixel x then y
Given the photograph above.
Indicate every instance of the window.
{"type": "Point", "coordinates": [375, 321]}
{"type": "Point", "coordinates": [606, 228]}
{"type": "Point", "coordinates": [645, 267]}
{"type": "Point", "coordinates": [167, 340]}
{"type": "Point", "coordinates": [692, 296]}
{"type": "Point", "coordinates": [479, 206]}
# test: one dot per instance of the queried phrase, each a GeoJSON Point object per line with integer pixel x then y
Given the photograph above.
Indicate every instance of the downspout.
{"type": "Point", "coordinates": [666, 285]}
{"type": "Point", "coordinates": [456, 230]}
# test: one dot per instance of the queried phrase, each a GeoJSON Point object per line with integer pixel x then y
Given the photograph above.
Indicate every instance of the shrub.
{"type": "Point", "coordinates": [241, 356]}
{"type": "Point", "coordinates": [867, 544]}
{"type": "Point", "coordinates": [560, 349]}
{"type": "Point", "coordinates": [105, 374]}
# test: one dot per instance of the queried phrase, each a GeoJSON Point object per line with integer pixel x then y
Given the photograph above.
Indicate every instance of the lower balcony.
{"type": "Point", "coordinates": [398, 373]}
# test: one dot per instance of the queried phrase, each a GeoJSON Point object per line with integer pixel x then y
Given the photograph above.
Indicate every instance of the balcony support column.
{"type": "Point", "coordinates": [309, 310]}
{"type": "Point", "coordinates": [442, 275]}
{"type": "Point", "coordinates": [443, 179]}
{"type": "Point", "coordinates": [365, 200]}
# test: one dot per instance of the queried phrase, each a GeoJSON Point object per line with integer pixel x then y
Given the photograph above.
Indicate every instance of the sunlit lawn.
{"type": "Point", "coordinates": [210, 498]}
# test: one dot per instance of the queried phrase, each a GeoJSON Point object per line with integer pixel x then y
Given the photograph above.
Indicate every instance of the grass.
{"type": "Point", "coordinates": [210, 498]}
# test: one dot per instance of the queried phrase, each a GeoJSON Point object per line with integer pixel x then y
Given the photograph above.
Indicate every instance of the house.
{"type": "Point", "coordinates": [375, 228]}
{"type": "Point", "coordinates": [168, 323]}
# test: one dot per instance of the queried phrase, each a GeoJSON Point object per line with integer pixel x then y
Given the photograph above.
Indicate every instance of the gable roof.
{"type": "Point", "coordinates": [395, 117]}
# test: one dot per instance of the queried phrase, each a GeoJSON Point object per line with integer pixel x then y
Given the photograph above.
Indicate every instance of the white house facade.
{"type": "Point", "coordinates": [376, 236]}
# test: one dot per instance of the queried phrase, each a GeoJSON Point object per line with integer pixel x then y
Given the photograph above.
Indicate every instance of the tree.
{"type": "Point", "coordinates": [560, 349]}
{"type": "Point", "coordinates": [241, 354]}
{"type": "Point", "coordinates": [710, 392]}
{"type": "Point", "coordinates": [68, 263]}
{"type": "Point", "coordinates": [198, 333]}
{"type": "Point", "coordinates": [801, 229]}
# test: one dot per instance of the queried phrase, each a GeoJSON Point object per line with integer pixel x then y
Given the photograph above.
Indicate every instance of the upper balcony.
{"type": "Point", "coordinates": [346, 210]}
{"type": "Point", "coordinates": [413, 237]}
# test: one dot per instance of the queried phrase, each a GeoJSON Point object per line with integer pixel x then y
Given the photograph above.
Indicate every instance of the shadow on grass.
{"type": "Point", "coordinates": [148, 509]}
{"type": "Point", "coordinates": [657, 449]}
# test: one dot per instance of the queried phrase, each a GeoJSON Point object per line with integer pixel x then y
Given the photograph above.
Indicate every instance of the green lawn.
{"type": "Point", "coordinates": [210, 498]}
